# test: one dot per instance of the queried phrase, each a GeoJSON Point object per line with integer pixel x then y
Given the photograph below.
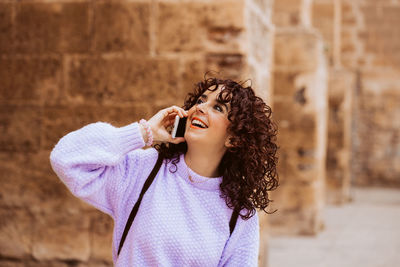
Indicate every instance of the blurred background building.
{"type": "Point", "coordinates": [330, 69]}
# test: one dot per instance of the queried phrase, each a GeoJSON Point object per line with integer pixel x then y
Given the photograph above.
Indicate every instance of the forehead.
{"type": "Point", "coordinates": [220, 95]}
{"type": "Point", "coordinates": [213, 89]}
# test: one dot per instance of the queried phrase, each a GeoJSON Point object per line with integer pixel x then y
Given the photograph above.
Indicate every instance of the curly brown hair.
{"type": "Point", "coordinates": [249, 167]}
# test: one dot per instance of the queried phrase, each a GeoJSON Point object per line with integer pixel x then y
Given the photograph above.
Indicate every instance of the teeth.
{"type": "Point", "coordinates": [199, 122]}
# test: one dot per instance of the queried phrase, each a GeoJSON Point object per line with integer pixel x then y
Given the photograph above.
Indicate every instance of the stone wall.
{"type": "Point", "coordinates": [65, 64]}
{"type": "Point", "coordinates": [300, 102]}
{"type": "Point", "coordinates": [370, 47]}
{"type": "Point", "coordinates": [329, 69]}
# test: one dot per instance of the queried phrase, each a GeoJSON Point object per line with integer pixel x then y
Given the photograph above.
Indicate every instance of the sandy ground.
{"type": "Point", "coordinates": [363, 233]}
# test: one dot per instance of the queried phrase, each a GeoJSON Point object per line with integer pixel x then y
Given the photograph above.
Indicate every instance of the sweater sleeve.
{"type": "Point", "coordinates": [95, 161]}
{"type": "Point", "coordinates": [243, 245]}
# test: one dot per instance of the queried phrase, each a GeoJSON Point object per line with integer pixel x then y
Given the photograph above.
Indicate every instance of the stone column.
{"type": "Point", "coordinates": [341, 87]}
{"type": "Point", "coordinates": [300, 102]}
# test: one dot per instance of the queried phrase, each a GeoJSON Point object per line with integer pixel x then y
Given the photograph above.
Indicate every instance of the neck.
{"type": "Point", "coordinates": [205, 164]}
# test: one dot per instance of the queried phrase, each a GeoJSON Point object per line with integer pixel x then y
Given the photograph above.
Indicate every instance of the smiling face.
{"type": "Point", "coordinates": [208, 122]}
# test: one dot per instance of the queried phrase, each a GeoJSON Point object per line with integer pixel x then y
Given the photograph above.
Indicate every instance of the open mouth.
{"type": "Point", "coordinates": [198, 123]}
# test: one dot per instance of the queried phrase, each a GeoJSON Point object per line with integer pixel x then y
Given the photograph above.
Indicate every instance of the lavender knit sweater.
{"type": "Point", "coordinates": [179, 223]}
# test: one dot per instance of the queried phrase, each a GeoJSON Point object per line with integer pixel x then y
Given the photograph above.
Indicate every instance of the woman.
{"type": "Point", "coordinates": [226, 161]}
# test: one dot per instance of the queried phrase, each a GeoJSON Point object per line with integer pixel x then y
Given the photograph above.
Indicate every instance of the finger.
{"type": "Point", "coordinates": [177, 140]}
{"type": "Point", "coordinates": [172, 116]}
{"type": "Point", "coordinates": [169, 120]}
{"type": "Point", "coordinates": [168, 123]}
{"type": "Point", "coordinates": [180, 111]}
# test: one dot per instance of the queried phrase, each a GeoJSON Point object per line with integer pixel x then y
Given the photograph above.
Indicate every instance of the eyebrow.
{"type": "Point", "coordinates": [219, 102]}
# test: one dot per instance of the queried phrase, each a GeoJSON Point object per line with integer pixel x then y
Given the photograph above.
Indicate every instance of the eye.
{"type": "Point", "coordinates": [199, 101]}
{"type": "Point", "coordinates": [218, 107]}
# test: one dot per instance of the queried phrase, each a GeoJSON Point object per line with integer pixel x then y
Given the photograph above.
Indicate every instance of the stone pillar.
{"type": "Point", "coordinates": [300, 102]}
{"type": "Point", "coordinates": [341, 87]}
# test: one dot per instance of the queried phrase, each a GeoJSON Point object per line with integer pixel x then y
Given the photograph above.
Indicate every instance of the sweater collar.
{"type": "Point", "coordinates": [201, 182]}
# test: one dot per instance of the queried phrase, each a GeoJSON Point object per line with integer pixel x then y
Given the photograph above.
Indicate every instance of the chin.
{"type": "Point", "coordinates": [192, 139]}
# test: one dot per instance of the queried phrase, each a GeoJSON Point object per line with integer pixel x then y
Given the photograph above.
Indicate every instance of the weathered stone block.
{"type": "Point", "coordinates": [225, 27]}
{"type": "Point", "coordinates": [5, 27]}
{"type": "Point", "coordinates": [20, 128]}
{"type": "Point", "coordinates": [52, 27]}
{"type": "Point", "coordinates": [298, 166]}
{"type": "Point", "coordinates": [225, 40]}
{"type": "Point", "coordinates": [122, 26]}
{"type": "Point", "coordinates": [99, 79]}
{"type": "Point", "coordinates": [15, 233]}
{"type": "Point", "coordinates": [302, 209]}
{"type": "Point", "coordinates": [61, 236]}
{"type": "Point", "coordinates": [297, 50]}
{"type": "Point", "coordinates": [231, 66]}
{"type": "Point", "coordinates": [59, 120]}
{"type": "Point", "coordinates": [30, 80]}
{"type": "Point", "coordinates": [291, 122]}
{"type": "Point", "coordinates": [225, 14]}
{"type": "Point", "coordinates": [288, 87]}
{"type": "Point", "coordinates": [101, 231]}
{"type": "Point", "coordinates": [193, 72]}
{"type": "Point", "coordinates": [28, 182]}
{"type": "Point", "coordinates": [287, 12]}
{"type": "Point", "coordinates": [193, 27]}
{"type": "Point", "coordinates": [323, 20]}
{"type": "Point", "coordinates": [179, 27]}
{"type": "Point", "coordinates": [122, 80]}
{"type": "Point", "coordinates": [164, 81]}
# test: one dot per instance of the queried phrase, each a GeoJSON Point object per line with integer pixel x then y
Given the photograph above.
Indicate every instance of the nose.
{"type": "Point", "coordinates": [200, 108]}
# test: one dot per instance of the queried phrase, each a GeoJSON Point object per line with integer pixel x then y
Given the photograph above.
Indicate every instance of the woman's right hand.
{"type": "Point", "coordinates": [162, 120]}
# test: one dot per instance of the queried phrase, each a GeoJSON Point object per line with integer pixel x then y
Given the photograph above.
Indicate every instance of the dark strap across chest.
{"type": "Point", "coordinates": [146, 186]}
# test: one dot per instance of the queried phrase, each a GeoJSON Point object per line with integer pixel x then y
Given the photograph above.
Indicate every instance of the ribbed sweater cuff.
{"type": "Point", "coordinates": [130, 137]}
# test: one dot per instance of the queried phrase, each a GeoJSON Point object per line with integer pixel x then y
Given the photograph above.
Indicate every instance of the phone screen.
{"type": "Point", "coordinates": [180, 131]}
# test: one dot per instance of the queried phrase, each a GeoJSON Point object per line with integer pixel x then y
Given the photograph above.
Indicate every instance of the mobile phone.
{"type": "Point", "coordinates": [179, 127]}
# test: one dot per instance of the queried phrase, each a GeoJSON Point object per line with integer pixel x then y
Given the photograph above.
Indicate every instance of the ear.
{"type": "Point", "coordinates": [228, 142]}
